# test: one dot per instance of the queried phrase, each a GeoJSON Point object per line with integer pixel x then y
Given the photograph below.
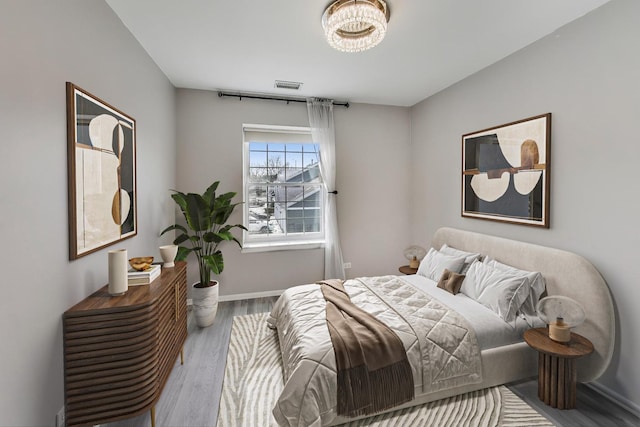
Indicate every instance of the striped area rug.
{"type": "Point", "coordinates": [253, 381]}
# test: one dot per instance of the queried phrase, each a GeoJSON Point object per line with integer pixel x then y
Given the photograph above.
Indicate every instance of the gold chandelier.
{"type": "Point", "coordinates": [355, 25]}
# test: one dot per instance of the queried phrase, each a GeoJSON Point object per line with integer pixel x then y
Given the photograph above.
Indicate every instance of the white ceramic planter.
{"type": "Point", "coordinates": [205, 304]}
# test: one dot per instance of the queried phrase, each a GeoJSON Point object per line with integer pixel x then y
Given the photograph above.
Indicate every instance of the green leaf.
{"type": "Point", "coordinates": [223, 212]}
{"type": "Point", "coordinates": [174, 227]}
{"type": "Point", "coordinates": [180, 199]}
{"type": "Point", "coordinates": [212, 237]}
{"type": "Point", "coordinates": [225, 235]}
{"type": "Point", "coordinates": [181, 239]}
{"type": "Point", "coordinates": [182, 253]}
{"type": "Point", "coordinates": [224, 199]}
{"type": "Point", "coordinates": [197, 213]}
{"type": "Point", "coordinates": [215, 262]}
{"type": "Point", "coordinates": [210, 194]}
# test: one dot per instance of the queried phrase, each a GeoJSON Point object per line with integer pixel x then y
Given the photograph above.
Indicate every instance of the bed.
{"type": "Point", "coordinates": [308, 397]}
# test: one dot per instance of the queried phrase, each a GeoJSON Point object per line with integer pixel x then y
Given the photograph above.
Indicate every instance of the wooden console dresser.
{"type": "Point", "coordinates": [120, 350]}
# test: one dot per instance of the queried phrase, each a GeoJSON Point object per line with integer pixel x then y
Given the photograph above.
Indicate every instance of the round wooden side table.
{"type": "Point", "coordinates": [405, 269]}
{"type": "Point", "coordinates": [557, 366]}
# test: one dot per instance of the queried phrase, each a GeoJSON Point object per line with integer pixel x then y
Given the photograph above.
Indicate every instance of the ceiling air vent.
{"type": "Point", "coordinates": [283, 84]}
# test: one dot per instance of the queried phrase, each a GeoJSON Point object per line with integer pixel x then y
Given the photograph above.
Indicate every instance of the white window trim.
{"type": "Point", "coordinates": [291, 242]}
{"type": "Point", "coordinates": [249, 248]}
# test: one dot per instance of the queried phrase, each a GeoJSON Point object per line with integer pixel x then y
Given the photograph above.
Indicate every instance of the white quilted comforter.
{"type": "Point", "coordinates": [441, 346]}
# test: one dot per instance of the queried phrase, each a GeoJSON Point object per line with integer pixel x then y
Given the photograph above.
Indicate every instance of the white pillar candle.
{"type": "Point", "coordinates": [118, 266]}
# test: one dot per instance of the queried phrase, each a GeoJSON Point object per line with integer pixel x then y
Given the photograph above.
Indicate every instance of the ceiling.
{"type": "Point", "coordinates": [245, 45]}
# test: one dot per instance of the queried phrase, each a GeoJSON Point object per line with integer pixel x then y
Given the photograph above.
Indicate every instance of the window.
{"type": "Point", "coordinates": [283, 192]}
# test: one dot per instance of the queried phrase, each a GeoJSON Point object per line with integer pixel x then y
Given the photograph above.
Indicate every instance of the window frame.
{"type": "Point", "coordinates": [271, 242]}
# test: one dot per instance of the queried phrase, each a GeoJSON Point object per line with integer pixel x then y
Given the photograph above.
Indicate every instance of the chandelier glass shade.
{"type": "Point", "coordinates": [355, 25]}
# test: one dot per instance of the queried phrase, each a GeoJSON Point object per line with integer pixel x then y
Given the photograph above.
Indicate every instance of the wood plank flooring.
{"type": "Point", "coordinates": [192, 393]}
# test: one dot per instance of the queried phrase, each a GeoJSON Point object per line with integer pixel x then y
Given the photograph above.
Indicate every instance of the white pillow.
{"type": "Point", "coordinates": [536, 284]}
{"type": "Point", "coordinates": [496, 289]}
{"type": "Point", "coordinates": [470, 257]}
{"type": "Point", "coordinates": [434, 264]}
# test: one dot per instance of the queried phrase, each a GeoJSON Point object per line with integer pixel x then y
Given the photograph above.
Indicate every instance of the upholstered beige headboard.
{"type": "Point", "coordinates": [566, 274]}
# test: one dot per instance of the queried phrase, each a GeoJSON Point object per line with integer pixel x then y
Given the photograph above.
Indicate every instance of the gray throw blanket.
{"type": "Point", "coordinates": [373, 371]}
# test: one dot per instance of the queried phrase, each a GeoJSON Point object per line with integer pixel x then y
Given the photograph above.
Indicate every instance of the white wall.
{"type": "Point", "coordinates": [370, 142]}
{"type": "Point", "coordinates": [373, 155]}
{"type": "Point", "coordinates": [43, 44]}
{"type": "Point", "coordinates": [586, 74]}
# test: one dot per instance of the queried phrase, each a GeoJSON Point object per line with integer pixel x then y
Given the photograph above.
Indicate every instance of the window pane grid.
{"type": "Point", "coordinates": [284, 190]}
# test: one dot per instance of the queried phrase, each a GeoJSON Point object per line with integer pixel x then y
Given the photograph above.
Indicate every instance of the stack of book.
{"type": "Point", "coordinates": [144, 277]}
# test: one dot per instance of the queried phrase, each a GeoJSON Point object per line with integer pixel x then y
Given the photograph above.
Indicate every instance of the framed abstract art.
{"type": "Point", "coordinates": [505, 172]}
{"type": "Point", "coordinates": [101, 173]}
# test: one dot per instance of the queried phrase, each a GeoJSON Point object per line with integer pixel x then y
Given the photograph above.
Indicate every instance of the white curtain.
{"type": "Point", "coordinates": [323, 132]}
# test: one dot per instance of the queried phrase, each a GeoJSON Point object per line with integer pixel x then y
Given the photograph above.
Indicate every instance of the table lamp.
{"type": "Point", "coordinates": [561, 314]}
{"type": "Point", "coordinates": [415, 254]}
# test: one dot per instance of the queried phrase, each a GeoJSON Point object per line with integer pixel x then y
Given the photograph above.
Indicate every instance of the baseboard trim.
{"type": "Point", "coordinates": [607, 393]}
{"type": "Point", "coordinates": [251, 295]}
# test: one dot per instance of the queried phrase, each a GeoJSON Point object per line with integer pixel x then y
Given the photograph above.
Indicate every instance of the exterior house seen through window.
{"type": "Point", "coordinates": [283, 187]}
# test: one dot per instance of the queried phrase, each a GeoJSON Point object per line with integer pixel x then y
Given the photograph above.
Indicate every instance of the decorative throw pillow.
{"type": "Point", "coordinates": [470, 257]}
{"type": "Point", "coordinates": [537, 285]}
{"type": "Point", "coordinates": [435, 262]}
{"type": "Point", "coordinates": [450, 281]}
{"type": "Point", "coordinates": [502, 292]}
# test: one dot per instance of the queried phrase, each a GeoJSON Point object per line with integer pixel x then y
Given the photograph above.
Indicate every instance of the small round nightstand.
{"type": "Point", "coordinates": [405, 269]}
{"type": "Point", "coordinates": [557, 366]}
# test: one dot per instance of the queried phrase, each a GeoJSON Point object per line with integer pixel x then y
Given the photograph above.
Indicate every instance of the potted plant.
{"type": "Point", "coordinates": [206, 216]}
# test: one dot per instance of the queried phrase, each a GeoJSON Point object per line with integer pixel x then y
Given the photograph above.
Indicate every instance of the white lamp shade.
{"type": "Point", "coordinates": [552, 308]}
{"type": "Point", "coordinates": [415, 252]}
{"type": "Point", "coordinates": [561, 314]}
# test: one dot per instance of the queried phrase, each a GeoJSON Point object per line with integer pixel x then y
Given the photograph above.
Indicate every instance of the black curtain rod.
{"type": "Point", "coordinates": [273, 98]}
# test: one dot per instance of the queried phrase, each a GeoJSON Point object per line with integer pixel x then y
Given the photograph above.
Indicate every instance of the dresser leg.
{"type": "Point", "coordinates": [182, 356]}
{"type": "Point", "coordinates": [153, 416]}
